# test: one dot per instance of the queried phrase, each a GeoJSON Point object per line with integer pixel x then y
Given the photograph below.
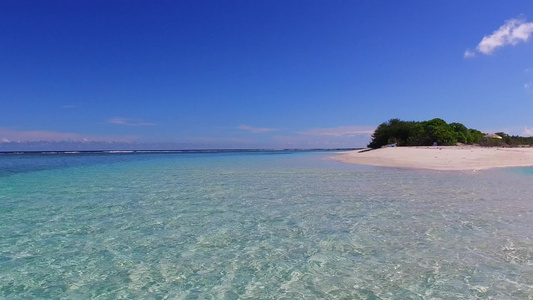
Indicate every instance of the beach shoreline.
{"type": "Point", "coordinates": [442, 158]}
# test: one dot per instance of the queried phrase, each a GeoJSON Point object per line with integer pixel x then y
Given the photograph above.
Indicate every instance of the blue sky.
{"type": "Point", "coordinates": [260, 74]}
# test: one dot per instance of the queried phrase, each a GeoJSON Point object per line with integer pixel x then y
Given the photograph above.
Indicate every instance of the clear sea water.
{"type": "Point", "coordinates": [266, 225]}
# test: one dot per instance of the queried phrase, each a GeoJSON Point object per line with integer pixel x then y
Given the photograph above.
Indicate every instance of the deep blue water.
{"type": "Point", "coordinates": [264, 225]}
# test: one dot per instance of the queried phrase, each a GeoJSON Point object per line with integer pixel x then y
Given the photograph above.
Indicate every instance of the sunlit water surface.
{"type": "Point", "coordinates": [259, 226]}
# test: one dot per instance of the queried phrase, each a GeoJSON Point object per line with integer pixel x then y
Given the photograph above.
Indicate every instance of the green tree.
{"type": "Point", "coordinates": [381, 136]}
{"type": "Point", "coordinates": [396, 131]}
{"type": "Point", "coordinates": [475, 136]}
{"type": "Point", "coordinates": [461, 132]}
{"type": "Point", "coordinates": [437, 130]}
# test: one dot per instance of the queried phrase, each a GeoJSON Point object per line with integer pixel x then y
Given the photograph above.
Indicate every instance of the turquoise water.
{"type": "Point", "coordinates": [284, 225]}
{"type": "Point", "coordinates": [525, 171]}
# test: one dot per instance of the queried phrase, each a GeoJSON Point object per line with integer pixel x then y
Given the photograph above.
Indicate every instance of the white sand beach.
{"type": "Point", "coordinates": [441, 158]}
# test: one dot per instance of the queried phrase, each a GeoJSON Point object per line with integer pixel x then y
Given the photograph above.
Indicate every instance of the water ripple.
{"type": "Point", "coordinates": [263, 227]}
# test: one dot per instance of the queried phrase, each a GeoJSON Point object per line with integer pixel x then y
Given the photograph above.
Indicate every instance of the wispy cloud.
{"type": "Point", "coordinates": [9, 135]}
{"type": "Point", "coordinates": [255, 129]}
{"type": "Point", "coordinates": [129, 122]}
{"type": "Point", "coordinates": [512, 32]}
{"type": "Point", "coordinates": [528, 86]}
{"type": "Point", "coordinates": [527, 131]}
{"type": "Point", "coordinates": [221, 140]}
{"type": "Point", "coordinates": [344, 131]}
{"type": "Point", "coordinates": [469, 53]}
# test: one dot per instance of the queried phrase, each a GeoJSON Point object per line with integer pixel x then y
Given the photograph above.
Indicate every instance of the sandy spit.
{"type": "Point", "coordinates": [453, 158]}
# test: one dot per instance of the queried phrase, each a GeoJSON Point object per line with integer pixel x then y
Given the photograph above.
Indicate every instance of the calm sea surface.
{"type": "Point", "coordinates": [266, 225]}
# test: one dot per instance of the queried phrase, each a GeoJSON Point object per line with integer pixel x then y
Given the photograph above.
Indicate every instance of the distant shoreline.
{"type": "Point", "coordinates": [73, 152]}
{"type": "Point", "coordinates": [445, 158]}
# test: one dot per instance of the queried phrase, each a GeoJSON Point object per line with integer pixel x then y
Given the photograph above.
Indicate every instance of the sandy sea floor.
{"type": "Point", "coordinates": [260, 226]}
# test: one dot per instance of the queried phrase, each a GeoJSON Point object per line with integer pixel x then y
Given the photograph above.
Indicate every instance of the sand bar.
{"type": "Point", "coordinates": [455, 158]}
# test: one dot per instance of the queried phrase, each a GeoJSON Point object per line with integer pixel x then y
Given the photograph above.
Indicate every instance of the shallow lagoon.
{"type": "Point", "coordinates": [267, 225]}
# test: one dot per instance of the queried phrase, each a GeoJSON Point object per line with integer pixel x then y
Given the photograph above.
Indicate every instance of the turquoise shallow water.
{"type": "Point", "coordinates": [259, 226]}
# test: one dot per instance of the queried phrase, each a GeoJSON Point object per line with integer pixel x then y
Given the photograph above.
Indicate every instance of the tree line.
{"type": "Point", "coordinates": [425, 133]}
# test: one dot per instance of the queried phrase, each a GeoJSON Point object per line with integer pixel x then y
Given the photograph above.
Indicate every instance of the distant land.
{"type": "Point", "coordinates": [438, 132]}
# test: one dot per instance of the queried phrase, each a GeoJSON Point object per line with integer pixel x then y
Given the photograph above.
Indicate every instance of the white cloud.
{"type": "Point", "coordinates": [527, 131]}
{"type": "Point", "coordinates": [469, 53]}
{"type": "Point", "coordinates": [512, 32]}
{"type": "Point", "coordinates": [129, 122]}
{"type": "Point", "coordinates": [9, 135]}
{"type": "Point", "coordinates": [255, 129]}
{"type": "Point", "coordinates": [528, 86]}
{"type": "Point", "coordinates": [344, 131]}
